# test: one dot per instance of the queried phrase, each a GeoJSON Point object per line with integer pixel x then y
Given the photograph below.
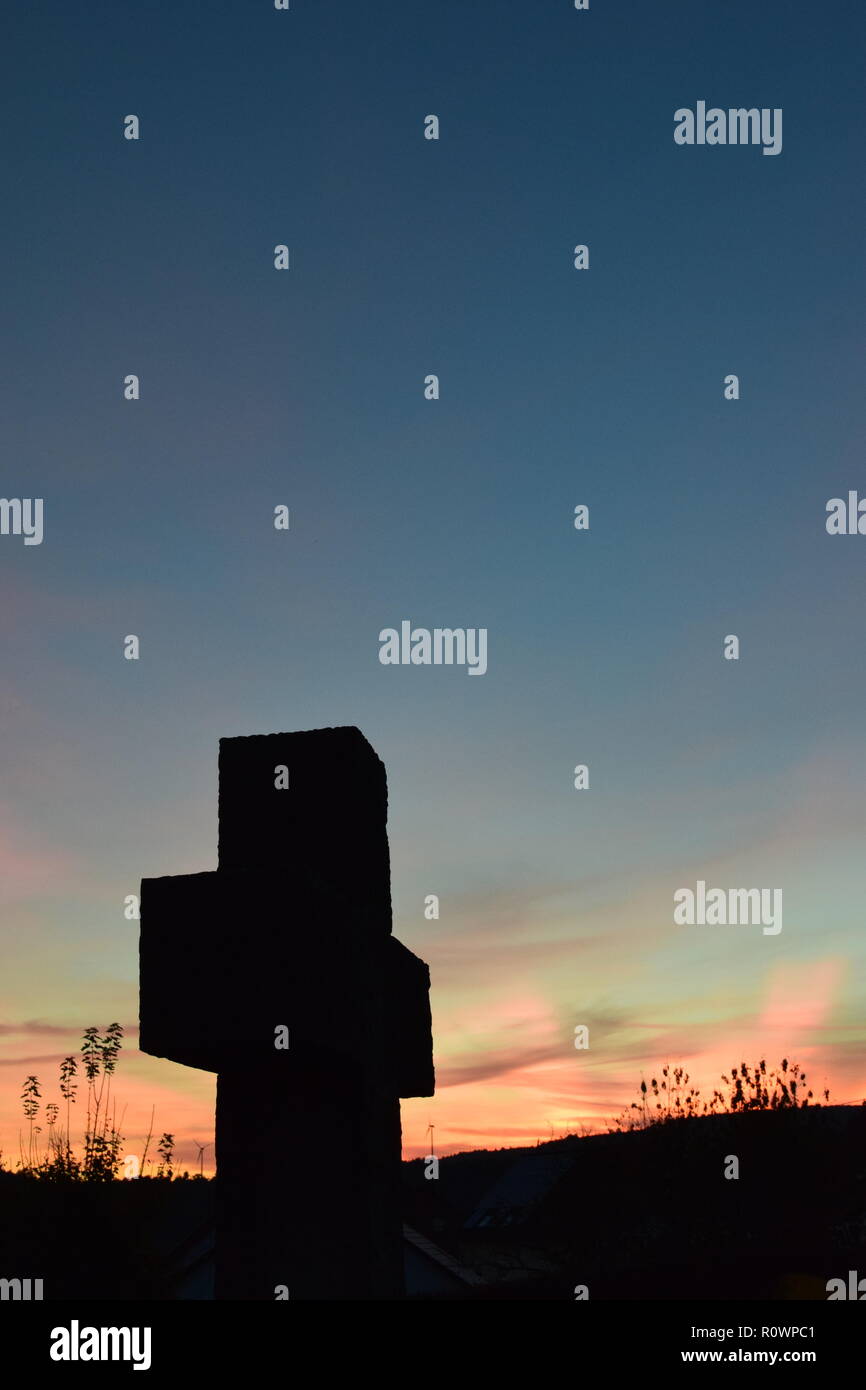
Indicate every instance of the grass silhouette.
{"type": "Point", "coordinates": [98, 1158]}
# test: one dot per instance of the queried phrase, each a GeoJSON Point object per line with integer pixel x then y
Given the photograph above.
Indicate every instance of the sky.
{"type": "Point", "coordinates": [558, 387]}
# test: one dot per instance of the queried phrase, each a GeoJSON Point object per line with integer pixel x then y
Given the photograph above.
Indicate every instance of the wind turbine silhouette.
{"type": "Point", "coordinates": [201, 1148]}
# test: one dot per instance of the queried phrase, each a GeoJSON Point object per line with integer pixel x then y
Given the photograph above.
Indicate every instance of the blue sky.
{"type": "Point", "coordinates": [557, 387]}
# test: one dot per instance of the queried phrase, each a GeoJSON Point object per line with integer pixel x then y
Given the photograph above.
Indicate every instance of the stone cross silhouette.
{"type": "Point", "coordinates": [279, 972]}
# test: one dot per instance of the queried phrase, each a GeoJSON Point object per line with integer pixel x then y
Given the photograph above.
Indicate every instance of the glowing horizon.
{"type": "Point", "coordinates": [561, 388]}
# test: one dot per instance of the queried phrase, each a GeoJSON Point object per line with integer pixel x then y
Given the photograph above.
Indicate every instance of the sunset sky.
{"type": "Point", "coordinates": [558, 387]}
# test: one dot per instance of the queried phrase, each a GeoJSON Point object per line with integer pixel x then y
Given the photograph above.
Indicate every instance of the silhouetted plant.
{"type": "Point", "coordinates": [31, 1097]}
{"type": "Point", "coordinates": [755, 1089]}
{"type": "Point", "coordinates": [68, 1088]}
{"type": "Point", "coordinates": [165, 1149]}
{"type": "Point", "coordinates": [101, 1158]}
